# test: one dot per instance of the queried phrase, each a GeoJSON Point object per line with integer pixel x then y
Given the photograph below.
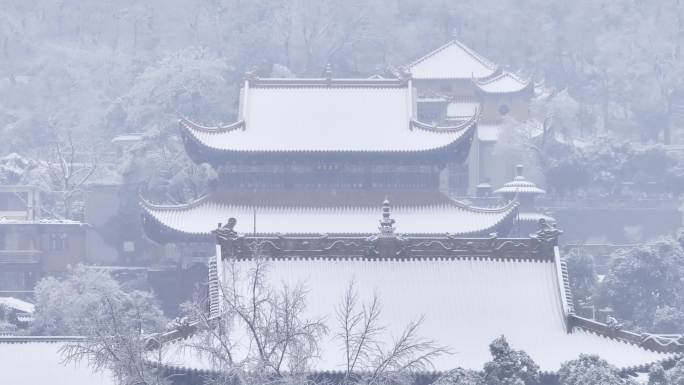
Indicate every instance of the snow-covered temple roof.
{"type": "Point", "coordinates": [28, 360]}
{"type": "Point", "coordinates": [453, 60]}
{"type": "Point", "coordinates": [326, 212]}
{"type": "Point", "coordinates": [505, 82]}
{"type": "Point", "coordinates": [467, 291]}
{"type": "Point", "coordinates": [466, 303]}
{"type": "Point", "coordinates": [17, 304]}
{"type": "Point", "coordinates": [326, 115]}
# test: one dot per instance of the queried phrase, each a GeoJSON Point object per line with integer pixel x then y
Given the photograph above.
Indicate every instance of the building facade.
{"type": "Point", "coordinates": [318, 156]}
{"type": "Point", "coordinates": [453, 81]}
{"type": "Point", "coordinates": [30, 246]}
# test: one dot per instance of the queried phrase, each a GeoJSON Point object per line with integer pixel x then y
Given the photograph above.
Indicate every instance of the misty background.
{"type": "Point", "coordinates": [76, 74]}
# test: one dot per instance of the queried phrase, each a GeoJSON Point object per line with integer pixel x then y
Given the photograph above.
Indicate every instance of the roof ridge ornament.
{"type": "Point", "coordinates": [328, 73]}
{"type": "Point", "coordinates": [227, 232]}
{"type": "Point", "coordinates": [548, 232]}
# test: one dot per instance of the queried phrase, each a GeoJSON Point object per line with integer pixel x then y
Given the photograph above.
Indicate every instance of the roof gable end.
{"type": "Point", "coordinates": [454, 60]}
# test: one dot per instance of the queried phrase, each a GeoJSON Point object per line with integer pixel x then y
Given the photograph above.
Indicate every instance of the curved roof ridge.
{"type": "Point", "coordinates": [206, 199]}
{"type": "Point", "coordinates": [465, 125]}
{"type": "Point", "coordinates": [328, 82]}
{"type": "Point", "coordinates": [461, 129]}
{"type": "Point", "coordinates": [487, 210]}
{"type": "Point", "coordinates": [627, 336]}
{"type": "Point", "coordinates": [503, 74]}
{"type": "Point", "coordinates": [147, 205]}
{"type": "Point", "coordinates": [483, 83]}
{"type": "Point", "coordinates": [192, 126]}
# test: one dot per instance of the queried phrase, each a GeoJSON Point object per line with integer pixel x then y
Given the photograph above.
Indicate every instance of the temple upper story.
{"type": "Point", "coordinates": [315, 118]}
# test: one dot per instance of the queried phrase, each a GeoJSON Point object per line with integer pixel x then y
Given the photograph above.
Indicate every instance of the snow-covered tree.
{"type": "Point", "coordinates": [460, 377]}
{"type": "Point", "coordinates": [675, 376]}
{"type": "Point", "coordinates": [71, 306]}
{"type": "Point", "coordinates": [370, 361]}
{"type": "Point", "coordinates": [263, 332]}
{"type": "Point", "coordinates": [582, 276]}
{"type": "Point", "coordinates": [114, 323]}
{"type": "Point", "coordinates": [642, 283]}
{"type": "Point", "coordinates": [509, 366]}
{"type": "Point", "coordinates": [589, 369]}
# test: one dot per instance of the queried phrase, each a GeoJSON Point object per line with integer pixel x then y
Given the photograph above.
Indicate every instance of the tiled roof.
{"type": "Point", "coordinates": [452, 61]}
{"type": "Point", "coordinates": [326, 115]}
{"type": "Point", "coordinates": [520, 185]}
{"type": "Point", "coordinates": [465, 302]}
{"type": "Point", "coordinates": [37, 361]}
{"type": "Point", "coordinates": [434, 214]}
{"type": "Point", "coordinates": [17, 304]}
{"type": "Point", "coordinates": [506, 82]}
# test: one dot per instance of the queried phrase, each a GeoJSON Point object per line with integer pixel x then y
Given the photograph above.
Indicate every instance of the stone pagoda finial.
{"type": "Point", "coordinates": [519, 171]}
{"type": "Point", "coordinates": [386, 223]}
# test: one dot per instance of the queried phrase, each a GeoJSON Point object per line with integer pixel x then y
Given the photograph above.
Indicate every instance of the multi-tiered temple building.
{"type": "Point", "coordinates": [318, 156]}
{"type": "Point", "coordinates": [312, 165]}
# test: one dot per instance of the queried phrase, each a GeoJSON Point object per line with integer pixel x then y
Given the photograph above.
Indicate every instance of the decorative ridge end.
{"type": "Point", "coordinates": [662, 343]}
{"type": "Point", "coordinates": [548, 232]}
{"type": "Point", "coordinates": [188, 125]}
{"type": "Point", "coordinates": [226, 232]}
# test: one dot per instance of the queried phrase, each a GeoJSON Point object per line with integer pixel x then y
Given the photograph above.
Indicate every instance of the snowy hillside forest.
{"type": "Point", "coordinates": [75, 74]}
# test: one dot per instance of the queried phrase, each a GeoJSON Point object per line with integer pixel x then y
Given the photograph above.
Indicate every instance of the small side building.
{"type": "Point", "coordinates": [525, 192]}
{"type": "Point", "coordinates": [452, 81]}
{"type": "Point", "coordinates": [30, 246]}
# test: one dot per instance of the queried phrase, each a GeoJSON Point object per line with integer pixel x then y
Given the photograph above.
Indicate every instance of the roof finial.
{"type": "Point", "coordinates": [328, 72]}
{"type": "Point", "coordinates": [387, 223]}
